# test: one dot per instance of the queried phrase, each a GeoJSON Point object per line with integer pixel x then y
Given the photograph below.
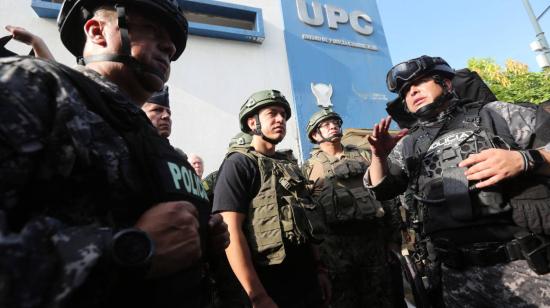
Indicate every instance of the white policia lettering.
{"type": "Point", "coordinates": [191, 181]}
{"type": "Point", "coordinates": [450, 140]}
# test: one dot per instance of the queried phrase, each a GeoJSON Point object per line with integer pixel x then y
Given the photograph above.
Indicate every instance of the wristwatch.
{"type": "Point", "coordinates": [534, 160]}
{"type": "Point", "coordinates": [132, 248]}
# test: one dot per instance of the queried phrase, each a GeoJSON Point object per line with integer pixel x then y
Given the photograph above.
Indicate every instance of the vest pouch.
{"type": "Point", "coordinates": [457, 194]}
{"type": "Point", "coordinates": [367, 208]}
{"type": "Point", "coordinates": [356, 167]}
{"type": "Point", "coordinates": [491, 201]}
{"type": "Point", "coordinates": [265, 236]}
{"type": "Point", "coordinates": [345, 207]}
{"type": "Point", "coordinates": [341, 170]}
{"type": "Point", "coordinates": [291, 175]}
{"type": "Point", "coordinates": [328, 204]}
{"type": "Point", "coordinates": [294, 222]}
{"type": "Point", "coordinates": [316, 217]}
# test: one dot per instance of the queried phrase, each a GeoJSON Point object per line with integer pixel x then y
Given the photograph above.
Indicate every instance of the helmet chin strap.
{"type": "Point", "coordinates": [125, 57]}
{"type": "Point", "coordinates": [258, 131]}
{"type": "Point", "coordinates": [329, 139]}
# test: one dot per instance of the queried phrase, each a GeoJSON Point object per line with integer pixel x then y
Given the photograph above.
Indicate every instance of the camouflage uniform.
{"type": "Point", "coordinates": [68, 180]}
{"type": "Point", "coordinates": [510, 285]}
{"type": "Point", "coordinates": [355, 251]}
{"type": "Point", "coordinates": [497, 284]}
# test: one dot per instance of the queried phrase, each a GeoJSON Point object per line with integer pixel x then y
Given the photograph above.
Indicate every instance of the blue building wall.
{"type": "Point", "coordinates": [353, 63]}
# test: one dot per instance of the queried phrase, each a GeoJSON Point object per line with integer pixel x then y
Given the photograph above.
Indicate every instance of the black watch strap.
{"type": "Point", "coordinates": [533, 160]}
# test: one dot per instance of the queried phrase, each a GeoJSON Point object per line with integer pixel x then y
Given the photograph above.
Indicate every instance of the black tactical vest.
{"type": "Point", "coordinates": [450, 200]}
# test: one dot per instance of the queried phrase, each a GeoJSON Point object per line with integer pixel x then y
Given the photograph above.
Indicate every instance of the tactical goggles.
{"type": "Point", "coordinates": [407, 71]}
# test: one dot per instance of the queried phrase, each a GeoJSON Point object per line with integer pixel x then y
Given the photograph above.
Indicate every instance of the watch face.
{"type": "Point", "coordinates": [132, 248]}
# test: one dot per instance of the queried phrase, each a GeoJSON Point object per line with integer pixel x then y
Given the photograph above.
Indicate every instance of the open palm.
{"type": "Point", "coordinates": [381, 141]}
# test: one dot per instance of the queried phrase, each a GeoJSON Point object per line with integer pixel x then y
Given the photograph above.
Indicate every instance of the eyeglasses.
{"type": "Point", "coordinates": [326, 123]}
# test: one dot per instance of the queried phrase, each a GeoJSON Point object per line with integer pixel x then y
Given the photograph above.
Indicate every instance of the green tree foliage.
{"type": "Point", "coordinates": [514, 82]}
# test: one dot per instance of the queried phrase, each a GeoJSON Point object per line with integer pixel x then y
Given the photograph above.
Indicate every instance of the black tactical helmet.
{"type": "Point", "coordinates": [317, 118]}
{"type": "Point", "coordinates": [261, 100]}
{"type": "Point", "coordinates": [74, 14]}
{"type": "Point", "coordinates": [401, 75]}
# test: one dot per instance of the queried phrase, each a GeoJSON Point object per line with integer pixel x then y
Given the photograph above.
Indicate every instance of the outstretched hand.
{"type": "Point", "coordinates": [492, 166]}
{"type": "Point", "coordinates": [381, 141]}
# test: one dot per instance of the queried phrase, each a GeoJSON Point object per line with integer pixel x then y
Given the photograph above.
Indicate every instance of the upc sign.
{"type": "Point", "coordinates": [335, 16]}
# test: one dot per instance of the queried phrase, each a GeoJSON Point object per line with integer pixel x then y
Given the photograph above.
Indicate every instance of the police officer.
{"type": "Point", "coordinates": [157, 109]}
{"type": "Point", "coordinates": [360, 230]}
{"type": "Point", "coordinates": [97, 209]}
{"type": "Point", "coordinates": [482, 213]}
{"type": "Point", "coordinates": [262, 198]}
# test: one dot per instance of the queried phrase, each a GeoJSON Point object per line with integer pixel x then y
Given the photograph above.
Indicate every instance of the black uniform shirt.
{"type": "Point", "coordinates": [237, 184]}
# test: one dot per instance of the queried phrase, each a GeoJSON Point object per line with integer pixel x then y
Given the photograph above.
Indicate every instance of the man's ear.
{"type": "Point", "coordinates": [449, 84]}
{"type": "Point", "coordinates": [94, 32]}
{"type": "Point", "coordinates": [251, 122]}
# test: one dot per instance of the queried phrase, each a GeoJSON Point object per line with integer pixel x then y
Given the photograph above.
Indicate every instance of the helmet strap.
{"type": "Point", "coordinates": [258, 131]}
{"type": "Point", "coordinates": [329, 139]}
{"type": "Point", "coordinates": [126, 55]}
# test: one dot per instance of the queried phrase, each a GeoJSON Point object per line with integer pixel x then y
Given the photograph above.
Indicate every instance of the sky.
{"type": "Point", "coordinates": [462, 29]}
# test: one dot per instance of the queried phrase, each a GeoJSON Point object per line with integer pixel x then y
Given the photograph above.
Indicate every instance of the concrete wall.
{"type": "Point", "coordinates": [209, 82]}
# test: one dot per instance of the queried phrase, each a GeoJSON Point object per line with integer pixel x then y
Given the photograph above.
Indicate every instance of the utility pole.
{"type": "Point", "coordinates": [540, 45]}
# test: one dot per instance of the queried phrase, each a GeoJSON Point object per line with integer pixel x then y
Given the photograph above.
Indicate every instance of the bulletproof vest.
{"type": "Point", "coordinates": [277, 218]}
{"type": "Point", "coordinates": [343, 197]}
{"type": "Point", "coordinates": [450, 200]}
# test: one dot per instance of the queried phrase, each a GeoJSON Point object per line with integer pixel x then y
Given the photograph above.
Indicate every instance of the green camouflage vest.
{"type": "Point", "coordinates": [278, 216]}
{"type": "Point", "coordinates": [343, 197]}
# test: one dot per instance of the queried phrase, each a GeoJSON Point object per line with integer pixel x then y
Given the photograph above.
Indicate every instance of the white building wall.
{"type": "Point", "coordinates": [209, 82]}
{"type": "Point", "coordinates": [214, 77]}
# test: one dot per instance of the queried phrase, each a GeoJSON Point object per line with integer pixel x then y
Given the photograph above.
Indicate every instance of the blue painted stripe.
{"type": "Point", "coordinates": [48, 9]}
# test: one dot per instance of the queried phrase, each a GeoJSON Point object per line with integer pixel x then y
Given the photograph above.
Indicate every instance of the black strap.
{"type": "Point", "coordinates": [480, 254]}
{"type": "Point", "coordinates": [123, 27]}
{"type": "Point", "coordinates": [4, 52]}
